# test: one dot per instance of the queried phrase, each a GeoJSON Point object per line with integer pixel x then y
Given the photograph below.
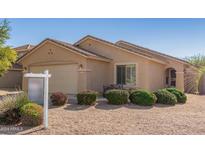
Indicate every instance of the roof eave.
{"type": "Point", "coordinates": [154, 52]}
{"type": "Point", "coordinates": [58, 44]}
{"type": "Point", "coordinates": [112, 44]}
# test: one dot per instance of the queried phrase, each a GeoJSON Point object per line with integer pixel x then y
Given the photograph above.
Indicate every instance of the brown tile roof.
{"type": "Point", "coordinates": [83, 51]}
{"type": "Point", "coordinates": [149, 51]}
{"type": "Point", "coordinates": [113, 44]}
{"type": "Point", "coordinates": [69, 46]}
{"type": "Point", "coordinates": [24, 47]}
{"type": "Point", "coordinates": [146, 54]}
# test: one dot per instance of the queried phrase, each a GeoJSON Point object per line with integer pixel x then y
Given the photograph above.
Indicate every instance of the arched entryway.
{"type": "Point", "coordinates": [170, 77]}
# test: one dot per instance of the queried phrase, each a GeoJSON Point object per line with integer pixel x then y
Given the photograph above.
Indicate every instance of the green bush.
{"type": "Point", "coordinates": [117, 96]}
{"type": "Point", "coordinates": [31, 114]}
{"type": "Point", "coordinates": [7, 103]}
{"type": "Point", "coordinates": [165, 97]}
{"type": "Point", "coordinates": [21, 100]}
{"type": "Point", "coordinates": [142, 97]}
{"type": "Point", "coordinates": [9, 108]}
{"type": "Point", "coordinates": [87, 97]}
{"type": "Point", "coordinates": [58, 99]}
{"type": "Point", "coordinates": [131, 90]}
{"type": "Point", "coordinates": [181, 97]}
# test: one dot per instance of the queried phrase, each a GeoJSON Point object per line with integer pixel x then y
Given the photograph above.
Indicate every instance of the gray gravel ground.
{"type": "Point", "coordinates": [73, 119]}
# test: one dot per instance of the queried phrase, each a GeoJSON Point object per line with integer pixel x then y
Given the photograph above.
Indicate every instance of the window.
{"type": "Point", "coordinates": [126, 74]}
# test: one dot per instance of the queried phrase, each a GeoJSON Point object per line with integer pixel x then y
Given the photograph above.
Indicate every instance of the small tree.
{"type": "Point", "coordinates": [7, 54]}
{"type": "Point", "coordinates": [199, 62]}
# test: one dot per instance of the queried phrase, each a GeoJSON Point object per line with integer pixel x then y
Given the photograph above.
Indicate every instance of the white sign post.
{"type": "Point", "coordinates": [45, 77]}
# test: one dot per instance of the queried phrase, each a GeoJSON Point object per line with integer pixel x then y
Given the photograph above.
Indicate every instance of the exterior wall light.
{"type": "Point", "coordinates": [81, 66]}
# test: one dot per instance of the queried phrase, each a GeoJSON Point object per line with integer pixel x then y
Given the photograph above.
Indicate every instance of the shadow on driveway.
{"type": "Point", "coordinates": [163, 105]}
{"type": "Point", "coordinates": [104, 106]}
{"type": "Point", "coordinates": [73, 106]}
{"type": "Point", "coordinates": [138, 107]}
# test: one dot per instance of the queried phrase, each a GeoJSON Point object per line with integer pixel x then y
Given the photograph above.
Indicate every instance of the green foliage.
{"type": "Point", "coordinates": [197, 60]}
{"type": "Point", "coordinates": [21, 100]}
{"type": "Point", "coordinates": [142, 97]}
{"type": "Point", "coordinates": [131, 90]}
{"type": "Point", "coordinates": [117, 96]}
{"type": "Point", "coordinates": [4, 32]}
{"type": "Point", "coordinates": [7, 103]}
{"type": "Point", "coordinates": [31, 114]}
{"type": "Point", "coordinates": [7, 55]}
{"type": "Point", "coordinates": [87, 98]}
{"type": "Point", "coordinates": [58, 99]}
{"type": "Point", "coordinates": [9, 108]}
{"type": "Point", "coordinates": [165, 97]}
{"type": "Point", "coordinates": [13, 102]}
{"type": "Point", "coordinates": [7, 58]}
{"type": "Point", "coordinates": [181, 97]}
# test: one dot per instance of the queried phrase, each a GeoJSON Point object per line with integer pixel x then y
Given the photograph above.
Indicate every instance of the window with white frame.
{"type": "Point", "coordinates": [126, 74]}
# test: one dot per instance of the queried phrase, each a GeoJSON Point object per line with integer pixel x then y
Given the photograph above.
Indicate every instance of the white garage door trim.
{"type": "Point", "coordinates": [64, 78]}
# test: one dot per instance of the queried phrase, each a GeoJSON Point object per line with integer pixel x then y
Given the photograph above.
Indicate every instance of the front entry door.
{"type": "Point", "coordinates": [171, 78]}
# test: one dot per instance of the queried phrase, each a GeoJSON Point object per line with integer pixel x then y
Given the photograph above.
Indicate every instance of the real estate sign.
{"type": "Point", "coordinates": [38, 90]}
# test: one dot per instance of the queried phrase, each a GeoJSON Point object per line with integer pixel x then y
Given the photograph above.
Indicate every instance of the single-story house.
{"type": "Point", "coordinates": [91, 63]}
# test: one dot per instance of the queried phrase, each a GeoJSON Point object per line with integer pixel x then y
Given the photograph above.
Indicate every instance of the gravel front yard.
{"type": "Point", "coordinates": [126, 119]}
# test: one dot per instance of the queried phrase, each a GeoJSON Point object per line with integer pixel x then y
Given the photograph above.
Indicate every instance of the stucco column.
{"type": "Point", "coordinates": [82, 80]}
{"type": "Point", "coordinates": [25, 82]}
{"type": "Point", "coordinates": [147, 77]}
{"type": "Point", "coordinates": [180, 80]}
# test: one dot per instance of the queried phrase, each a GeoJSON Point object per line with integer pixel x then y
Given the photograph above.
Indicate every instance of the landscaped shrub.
{"type": "Point", "coordinates": [111, 87]}
{"type": "Point", "coordinates": [31, 114]}
{"type": "Point", "coordinates": [181, 97]}
{"type": "Point", "coordinates": [58, 99]}
{"type": "Point", "coordinates": [142, 97]}
{"type": "Point", "coordinates": [7, 103]}
{"type": "Point", "coordinates": [12, 116]}
{"type": "Point", "coordinates": [21, 100]}
{"type": "Point", "coordinates": [117, 96]}
{"type": "Point", "coordinates": [165, 97]}
{"type": "Point", "coordinates": [9, 108]}
{"type": "Point", "coordinates": [87, 97]}
{"type": "Point", "coordinates": [131, 90]}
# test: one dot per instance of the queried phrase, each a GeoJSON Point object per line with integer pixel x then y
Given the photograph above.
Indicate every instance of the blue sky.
{"type": "Point", "coordinates": [176, 37]}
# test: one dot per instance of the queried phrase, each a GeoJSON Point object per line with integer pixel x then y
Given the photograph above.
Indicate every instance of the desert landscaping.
{"type": "Point", "coordinates": [73, 119]}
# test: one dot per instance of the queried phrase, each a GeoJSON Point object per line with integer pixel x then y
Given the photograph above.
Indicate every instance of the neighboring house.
{"type": "Point", "coordinates": [21, 50]}
{"type": "Point", "coordinates": [92, 63]}
{"type": "Point", "coordinates": [12, 79]}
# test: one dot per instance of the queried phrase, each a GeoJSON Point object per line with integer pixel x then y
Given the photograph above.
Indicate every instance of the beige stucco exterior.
{"type": "Point", "coordinates": [93, 74]}
{"type": "Point", "coordinates": [150, 72]}
{"type": "Point", "coordinates": [50, 54]}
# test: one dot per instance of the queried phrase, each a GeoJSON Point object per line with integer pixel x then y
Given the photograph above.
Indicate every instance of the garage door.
{"type": "Point", "coordinates": [63, 77]}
